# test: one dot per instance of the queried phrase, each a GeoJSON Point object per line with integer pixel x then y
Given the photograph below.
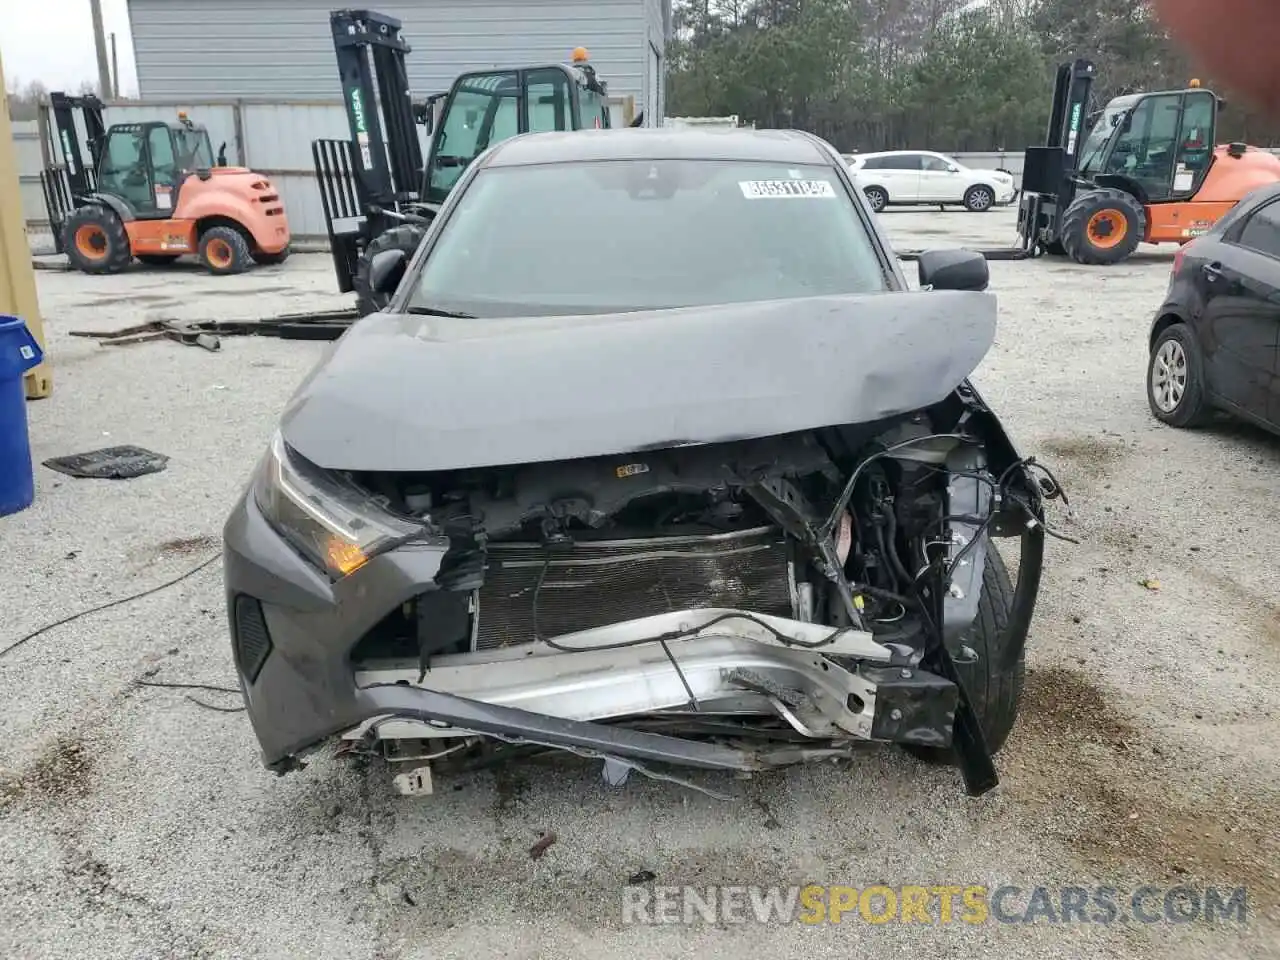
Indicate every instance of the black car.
{"type": "Point", "coordinates": [1215, 342]}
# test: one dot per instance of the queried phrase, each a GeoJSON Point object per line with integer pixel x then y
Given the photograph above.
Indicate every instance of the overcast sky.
{"type": "Point", "coordinates": [52, 41]}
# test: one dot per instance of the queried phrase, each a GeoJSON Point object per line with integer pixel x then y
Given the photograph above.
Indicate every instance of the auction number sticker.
{"type": "Point", "coordinates": [786, 189]}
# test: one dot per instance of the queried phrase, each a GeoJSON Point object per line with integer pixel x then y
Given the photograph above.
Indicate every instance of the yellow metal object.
{"type": "Point", "coordinates": [17, 278]}
{"type": "Point", "coordinates": [580, 55]}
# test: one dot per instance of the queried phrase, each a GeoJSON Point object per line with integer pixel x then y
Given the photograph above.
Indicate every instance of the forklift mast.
{"type": "Point", "coordinates": [81, 176]}
{"type": "Point", "coordinates": [70, 176]}
{"type": "Point", "coordinates": [375, 90]}
{"type": "Point", "coordinates": [1070, 107]}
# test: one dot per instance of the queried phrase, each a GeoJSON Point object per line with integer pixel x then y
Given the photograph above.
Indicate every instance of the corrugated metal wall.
{"type": "Point", "coordinates": [26, 143]}
{"type": "Point", "coordinates": [281, 49]}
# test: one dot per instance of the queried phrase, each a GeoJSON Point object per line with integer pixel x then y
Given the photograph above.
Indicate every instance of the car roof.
{"type": "Point", "coordinates": [896, 153]}
{"type": "Point", "coordinates": [657, 143]}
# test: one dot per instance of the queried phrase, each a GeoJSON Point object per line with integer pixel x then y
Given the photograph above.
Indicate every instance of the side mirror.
{"type": "Point", "coordinates": [953, 270]}
{"type": "Point", "coordinates": [387, 270]}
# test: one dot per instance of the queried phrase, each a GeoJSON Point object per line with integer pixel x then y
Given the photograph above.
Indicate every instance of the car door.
{"type": "Point", "coordinates": [940, 180]}
{"type": "Point", "coordinates": [1240, 280]}
{"type": "Point", "coordinates": [903, 173]}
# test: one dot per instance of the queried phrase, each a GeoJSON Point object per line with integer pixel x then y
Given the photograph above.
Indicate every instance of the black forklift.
{"type": "Point", "coordinates": [73, 158]}
{"type": "Point", "coordinates": [1049, 171]}
{"type": "Point", "coordinates": [378, 193]}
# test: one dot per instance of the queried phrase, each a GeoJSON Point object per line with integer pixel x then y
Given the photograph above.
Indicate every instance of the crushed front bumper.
{"type": "Point", "coordinates": [293, 631]}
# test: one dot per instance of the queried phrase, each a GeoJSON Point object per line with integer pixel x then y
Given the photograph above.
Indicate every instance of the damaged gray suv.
{"type": "Point", "coordinates": [654, 458]}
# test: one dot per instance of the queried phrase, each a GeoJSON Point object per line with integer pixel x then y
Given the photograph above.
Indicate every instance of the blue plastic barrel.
{"type": "Point", "coordinates": [19, 352]}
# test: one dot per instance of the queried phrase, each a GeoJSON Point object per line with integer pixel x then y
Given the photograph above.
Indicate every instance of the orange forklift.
{"type": "Point", "coordinates": [1145, 168]}
{"type": "Point", "coordinates": [153, 192]}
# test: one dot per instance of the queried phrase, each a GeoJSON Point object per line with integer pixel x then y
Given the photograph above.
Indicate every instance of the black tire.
{"type": "Point", "coordinates": [1097, 216]}
{"type": "Point", "coordinates": [96, 241]}
{"type": "Point", "coordinates": [157, 259]}
{"type": "Point", "coordinates": [878, 197]}
{"type": "Point", "coordinates": [979, 199]}
{"type": "Point", "coordinates": [224, 251]}
{"type": "Point", "coordinates": [271, 259]}
{"type": "Point", "coordinates": [1175, 346]}
{"type": "Point", "coordinates": [406, 237]}
{"type": "Point", "coordinates": [994, 692]}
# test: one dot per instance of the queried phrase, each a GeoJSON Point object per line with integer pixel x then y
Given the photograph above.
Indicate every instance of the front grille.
{"type": "Point", "coordinates": [591, 584]}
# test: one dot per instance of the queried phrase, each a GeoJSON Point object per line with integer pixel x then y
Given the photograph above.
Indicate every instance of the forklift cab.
{"type": "Point", "coordinates": [145, 164]}
{"type": "Point", "coordinates": [1161, 143]}
{"type": "Point", "coordinates": [487, 107]}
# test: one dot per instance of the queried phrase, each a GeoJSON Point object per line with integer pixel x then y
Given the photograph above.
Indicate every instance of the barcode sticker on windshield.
{"type": "Point", "coordinates": [786, 189]}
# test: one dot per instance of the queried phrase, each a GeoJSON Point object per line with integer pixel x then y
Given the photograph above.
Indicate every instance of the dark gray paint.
{"type": "Point", "coordinates": [406, 393]}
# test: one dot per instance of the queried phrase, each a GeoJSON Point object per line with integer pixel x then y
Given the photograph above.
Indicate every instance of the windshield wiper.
{"type": "Point", "coordinates": [436, 312]}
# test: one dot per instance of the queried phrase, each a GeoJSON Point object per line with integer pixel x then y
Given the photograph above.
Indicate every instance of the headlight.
{"type": "Point", "coordinates": [329, 520]}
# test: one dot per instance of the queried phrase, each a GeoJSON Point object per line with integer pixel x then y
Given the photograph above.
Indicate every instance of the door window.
{"type": "Point", "coordinates": [901, 161]}
{"type": "Point", "coordinates": [1195, 139]}
{"type": "Point", "coordinates": [1261, 232]}
{"type": "Point", "coordinates": [548, 98]}
{"type": "Point", "coordinates": [1144, 150]}
{"type": "Point", "coordinates": [163, 162]}
{"type": "Point", "coordinates": [124, 166]}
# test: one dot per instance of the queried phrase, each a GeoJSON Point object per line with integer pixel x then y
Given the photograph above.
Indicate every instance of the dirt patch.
{"type": "Point", "coordinates": [1107, 788]}
{"type": "Point", "coordinates": [62, 771]}
{"type": "Point", "coordinates": [1088, 456]}
{"type": "Point", "coordinates": [1264, 613]}
{"type": "Point", "coordinates": [188, 545]}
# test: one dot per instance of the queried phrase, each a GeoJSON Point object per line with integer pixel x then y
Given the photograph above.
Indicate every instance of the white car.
{"type": "Point", "coordinates": [921, 176]}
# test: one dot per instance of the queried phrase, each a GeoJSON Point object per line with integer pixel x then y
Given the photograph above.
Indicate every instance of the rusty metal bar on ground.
{"type": "Point", "coordinates": [319, 325]}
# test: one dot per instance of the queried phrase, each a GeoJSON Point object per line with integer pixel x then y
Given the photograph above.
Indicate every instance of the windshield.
{"type": "Point", "coordinates": [194, 152]}
{"type": "Point", "coordinates": [1103, 128]}
{"type": "Point", "coordinates": [623, 235]}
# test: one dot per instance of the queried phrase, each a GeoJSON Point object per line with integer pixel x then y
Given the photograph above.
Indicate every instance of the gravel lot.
{"type": "Point", "coordinates": [135, 824]}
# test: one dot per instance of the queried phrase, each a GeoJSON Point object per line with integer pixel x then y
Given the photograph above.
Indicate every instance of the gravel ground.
{"type": "Point", "coordinates": [134, 823]}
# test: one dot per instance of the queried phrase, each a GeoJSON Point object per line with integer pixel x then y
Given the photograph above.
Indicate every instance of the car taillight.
{"type": "Point", "coordinates": [1177, 258]}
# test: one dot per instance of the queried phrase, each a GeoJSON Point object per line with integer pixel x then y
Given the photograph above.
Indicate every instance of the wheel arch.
{"type": "Point", "coordinates": [117, 205]}
{"type": "Point", "coordinates": [1167, 319]}
{"type": "Point", "coordinates": [1124, 184]}
{"type": "Point", "coordinates": [221, 220]}
{"type": "Point", "coordinates": [224, 208]}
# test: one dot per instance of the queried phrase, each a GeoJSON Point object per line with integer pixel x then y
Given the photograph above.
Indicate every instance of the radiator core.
{"type": "Point", "coordinates": [595, 583]}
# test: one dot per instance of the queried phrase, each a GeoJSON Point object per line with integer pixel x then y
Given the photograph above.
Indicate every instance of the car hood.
{"type": "Point", "coordinates": [414, 393]}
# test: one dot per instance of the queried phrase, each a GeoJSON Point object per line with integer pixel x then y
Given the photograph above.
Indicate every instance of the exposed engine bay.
{"type": "Point", "coordinates": [787, 596]}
